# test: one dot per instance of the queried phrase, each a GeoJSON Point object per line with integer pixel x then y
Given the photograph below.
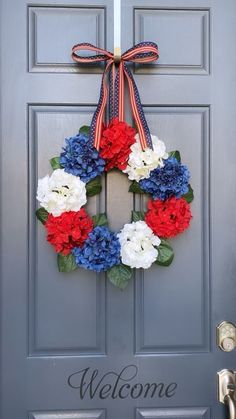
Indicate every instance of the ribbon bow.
{"type": "Point", "coordinates": [143, 52]}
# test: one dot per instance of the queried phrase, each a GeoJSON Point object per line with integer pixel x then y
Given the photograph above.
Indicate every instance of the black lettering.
{"type": "Point", "coordinates": [153, 387]}
{"type": "Point", "coordinates": [105, 390]}
{"type": "Point", "coordinates": [101, 380]}
{"type": "Point", "coordinates": [121, 377]}
{"type": "Point", "coordinates": [75, 374]}
{"type": "Point", "coordinates": [170, 390]}
{"type": "Point", "coordinates": [121, 389]}
{"type": "Point", "coordinates": [135, 387]}
{"type": "Point", "coordinates": [82, 383]}
{"type": "Point", "coordinates": [113, 385]}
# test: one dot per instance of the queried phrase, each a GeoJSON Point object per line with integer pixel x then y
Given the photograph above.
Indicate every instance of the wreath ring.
{"type": "Point", "coordinates": [81, 240]}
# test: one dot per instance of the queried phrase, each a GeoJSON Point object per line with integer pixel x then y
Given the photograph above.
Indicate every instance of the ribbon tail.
{"type": "Point", "coordinates": [119, 93]}
{"type": "Point", "coordinates": [138, 113]}
{"type": "Point", "coordinates": [112, 75]}
{"type": "Point", "coordinates": [97, 120]}
{"type": "Point", "coordinates": [116, 95]}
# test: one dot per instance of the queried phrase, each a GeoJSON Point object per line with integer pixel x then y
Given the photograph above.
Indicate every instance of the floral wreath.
{"type": "Point", "coordinates": [81, 240]}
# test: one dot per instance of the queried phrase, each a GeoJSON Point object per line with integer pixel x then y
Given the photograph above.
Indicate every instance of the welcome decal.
{"type": "Point", "coordinates": [122, 385]}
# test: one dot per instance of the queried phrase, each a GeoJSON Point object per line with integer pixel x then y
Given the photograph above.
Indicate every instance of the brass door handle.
{"type": "Point", "coordinates": [227, 390]}
{"type": "Point", "coordinates": [229, 400]}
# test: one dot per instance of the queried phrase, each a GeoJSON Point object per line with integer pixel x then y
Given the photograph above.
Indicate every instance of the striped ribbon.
{"type": "Point", "coordinates": [112, 87]}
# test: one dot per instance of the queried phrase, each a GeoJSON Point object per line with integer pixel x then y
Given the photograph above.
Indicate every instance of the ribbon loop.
{"type": "Point", "coordinates": [141, 53]}
{"type": "Point", "coordinates": [103, 55]}
{"type": "Point", "coordinates": [117, 71]}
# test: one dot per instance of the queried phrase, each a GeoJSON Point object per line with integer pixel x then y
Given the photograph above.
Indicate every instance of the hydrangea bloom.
{"type": "Point", "coordinates": [68, 230]}
{"type": "Point", "coordinates": [81, 159]}
{"type": "Point", "coordinates": [168, 218]}
{"type": "Point", "coordinates": [100, 251]}
{"type": "Point", "coordinates": [116, 140]}
{"type": "Point", "coordinates": [142, 162]}
{"type": "Point", "coordinates": [172, 179]}
{"type": "Point", "coordinates": [61, 192]}
{"type": "Point", "coordinates": [137, 245]}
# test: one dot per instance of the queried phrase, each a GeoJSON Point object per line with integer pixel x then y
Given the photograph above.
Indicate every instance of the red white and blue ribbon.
{"type": "Point", "coordinates": [112, 87]}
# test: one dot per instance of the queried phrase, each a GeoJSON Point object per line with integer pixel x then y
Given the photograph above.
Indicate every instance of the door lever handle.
{"type": "Point", "coordinates": [229, 400]}
{"type": "Point", "coordinates": [227, 390]}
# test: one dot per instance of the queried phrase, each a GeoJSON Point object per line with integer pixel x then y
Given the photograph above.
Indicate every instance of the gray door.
{"type": "Point", "coordinates": [73, 346]}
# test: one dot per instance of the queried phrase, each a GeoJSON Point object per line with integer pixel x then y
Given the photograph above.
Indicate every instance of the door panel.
{"type": "Point", "coordinates": [190, 413]}
{"type": "Point", "coordinates": [60, 27]}
{"type": "Point", "coordinates": [92, 414]}
{"type": "Point", "coordinates": [186, 329]}
{"type": "Point", "coordinates": [179, 54]}
{"type": "Point", "coordinates": [73, 346]}
{"type": "Point", "coordinates": [56, 312]}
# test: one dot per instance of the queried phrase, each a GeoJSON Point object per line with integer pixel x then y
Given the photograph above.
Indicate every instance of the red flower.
{"type": "Point", "coordinates": [168, 218]}
{"type": "Point", "coordinates": [68, 230]}
{"type": "Point", "coordinates": [116, 141]}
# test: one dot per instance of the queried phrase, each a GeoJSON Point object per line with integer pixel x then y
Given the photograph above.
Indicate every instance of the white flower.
{"type": "Point", "coordinates": [61, 192]}
{"type": "Point", "coordinates": [137, 245]}
{"type": "Point", "coordinates": [142, 162]}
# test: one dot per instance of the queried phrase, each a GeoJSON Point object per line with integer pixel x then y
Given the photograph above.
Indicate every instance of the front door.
{"type": "Point", "coordinates": [72, 345]}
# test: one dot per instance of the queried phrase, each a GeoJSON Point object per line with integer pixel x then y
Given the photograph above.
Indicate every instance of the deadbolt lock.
{"type": "Point", "coordinates": [226, 336]}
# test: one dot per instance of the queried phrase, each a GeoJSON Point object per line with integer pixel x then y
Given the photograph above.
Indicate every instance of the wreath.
{"type": "Point", "coordinates": [84, 241]}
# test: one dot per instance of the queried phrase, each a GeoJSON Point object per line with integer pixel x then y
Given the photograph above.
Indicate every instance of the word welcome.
{"type": "Point", "coordinates": [117, 385]}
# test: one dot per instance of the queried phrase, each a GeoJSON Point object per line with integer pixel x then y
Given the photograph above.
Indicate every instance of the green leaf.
{"type": "Point", "coordinates": [165, 254]}
{"type": "Point", "coordinates": [175, 154]}
{"type": "Point", "coordinates": [84, 130]}
{"type": "Point", "coordinates": [120, 275]}
{"type": "Point", "coordinates": [135, 187]}
{"type": "Point", "coordinates": [42, 215]}
{"type": "Point", "coordinates": [165, 242]}
{"type": "Point", "coordinates": [100, 220]}
{"type": "Point", "coordinates": [94, 186]}
{"type": "Point", "coordinates": [137, 215]}
{"type": "Point", "coordinates": [66, 263]}
{"type": "Point", "coordinates": [189, 196]}
{"type": "Point", "coordinates": [55, 163]}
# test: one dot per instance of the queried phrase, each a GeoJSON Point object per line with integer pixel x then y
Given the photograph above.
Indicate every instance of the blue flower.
{"type": "Point", "coordinates": [170, 180]}
{"type": "Point", "coordinates": [100, 251]}
{"type": "Point", "coordinates": [81, 159]}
